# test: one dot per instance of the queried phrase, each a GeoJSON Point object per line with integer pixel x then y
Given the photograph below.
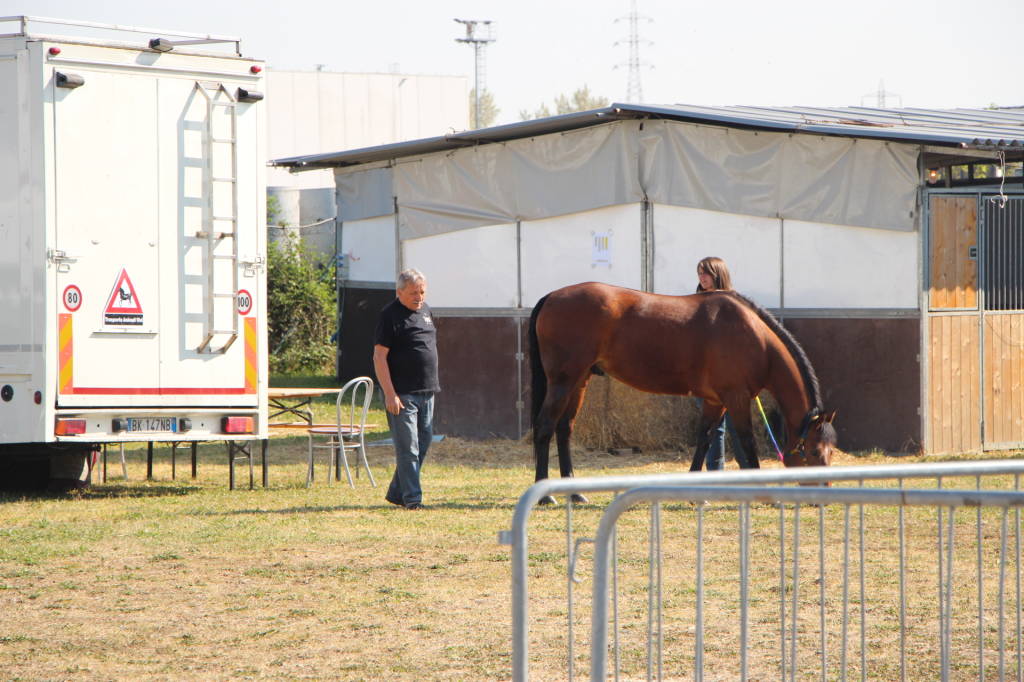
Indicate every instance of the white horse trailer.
{"type": "Point", "coordinates": [132, 241]}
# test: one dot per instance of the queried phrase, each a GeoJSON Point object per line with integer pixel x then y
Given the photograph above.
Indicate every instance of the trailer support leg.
{"type": "Point", "coordinates": [237, 451]}
{"type": "Point", "coordinates": [263, 457]}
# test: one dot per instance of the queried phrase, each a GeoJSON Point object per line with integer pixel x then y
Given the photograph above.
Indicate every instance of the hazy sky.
{"type": "Point", "coordinates": [937, 53]}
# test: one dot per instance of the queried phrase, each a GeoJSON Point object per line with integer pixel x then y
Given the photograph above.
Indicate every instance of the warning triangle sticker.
{"type": "Point", "coordinates": [123, 306]}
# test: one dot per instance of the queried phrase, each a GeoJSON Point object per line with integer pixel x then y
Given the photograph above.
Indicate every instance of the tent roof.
{"type": "Point", "coordinates": [981, 129]}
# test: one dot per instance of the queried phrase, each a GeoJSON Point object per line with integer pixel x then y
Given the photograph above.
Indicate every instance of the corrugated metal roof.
{"type": "Point", "coordinates": [991, 129]}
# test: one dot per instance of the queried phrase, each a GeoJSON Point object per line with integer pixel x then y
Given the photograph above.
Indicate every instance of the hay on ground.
{"type": "Point", "coordinates": [616, 416]}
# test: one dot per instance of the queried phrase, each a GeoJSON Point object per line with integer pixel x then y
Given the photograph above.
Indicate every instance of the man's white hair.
{"type": "Point", "coordinates": [410, 276]}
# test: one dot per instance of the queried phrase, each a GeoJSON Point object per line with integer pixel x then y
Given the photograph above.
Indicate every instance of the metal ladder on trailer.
{"type": "Point", "coordinates": [212, 143]}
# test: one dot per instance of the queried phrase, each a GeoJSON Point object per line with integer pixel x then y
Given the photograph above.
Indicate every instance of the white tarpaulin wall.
{"type": "Point", "coordinates": [473, 268]}
{"type": "Point", "coordinates": [529, 179]}
{"type": "Point", "coordinates": [831, 266]}
{"type": "Point", "coordinates": [562, 251]}
{"type": "Point", "coordinates": [838, 215]}
{"type": "Point", "coordinates": [749, 244]}
{"type": "Point", "coordinates": [480, 267]}
{"type": "Point", "coordinates": [369, 248]}
{"type": "Point", "coordinates": [826, 266]}
{"type": "Point", "coordinates": [831, 180]}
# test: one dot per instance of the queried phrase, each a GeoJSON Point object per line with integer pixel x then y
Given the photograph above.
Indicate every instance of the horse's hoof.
{"type": "Point", "coordinates": [546, 500]}
{"type": "Point", "coordinates": [578, 498]}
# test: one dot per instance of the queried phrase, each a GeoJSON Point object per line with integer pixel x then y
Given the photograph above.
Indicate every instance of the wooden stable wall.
{"type": "Point", "coordinates": [954, 358]}
{"type": "Point", "coordinates": [953, 407]}
{"type": "Point", "coordinates": [954, 274]}
{"type": "Point", "coordinates": [1004, 380]}
{"type": "Point", "coordinates": [975, 396]}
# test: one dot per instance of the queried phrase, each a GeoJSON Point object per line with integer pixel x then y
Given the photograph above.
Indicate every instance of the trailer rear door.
{"type": "Point", "coordinates": [144, 169]}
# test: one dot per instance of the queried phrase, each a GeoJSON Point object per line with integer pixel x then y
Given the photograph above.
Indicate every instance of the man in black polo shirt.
{"type": "Point", "coordinates": [405, 359]}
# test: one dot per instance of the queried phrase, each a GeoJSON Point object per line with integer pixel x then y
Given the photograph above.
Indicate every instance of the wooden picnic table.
{"type": "Point", "coordinates": [294, 401]}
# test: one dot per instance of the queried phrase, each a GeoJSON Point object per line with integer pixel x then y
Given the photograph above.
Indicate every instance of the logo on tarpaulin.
{"type": "Point", "coordinates": [123, 307]}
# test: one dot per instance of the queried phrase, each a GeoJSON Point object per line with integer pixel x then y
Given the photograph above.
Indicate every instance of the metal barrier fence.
{"type": "Point", "coordinates": [940, 500]}
{"type": "Point", "coordinates": [922, 601]}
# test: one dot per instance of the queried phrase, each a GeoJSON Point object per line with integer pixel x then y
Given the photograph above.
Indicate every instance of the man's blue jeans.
{"type": "Point", "coordinates": [411, 430]}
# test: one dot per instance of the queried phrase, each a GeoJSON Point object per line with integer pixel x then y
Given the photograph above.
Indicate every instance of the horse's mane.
{"type": "Point", "coordinates": [794, 348]}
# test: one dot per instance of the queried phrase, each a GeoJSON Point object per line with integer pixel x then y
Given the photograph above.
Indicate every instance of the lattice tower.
{"type": "Point", "coordinates": [634, 88]}
{"type": "Point", "coordinates": [479, 33]}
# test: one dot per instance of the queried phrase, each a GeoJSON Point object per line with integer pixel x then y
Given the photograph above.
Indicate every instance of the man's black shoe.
{"type": "Point", "coordinates": [414, 505]}
{"type": "Point", "coordinates": [388, 499]}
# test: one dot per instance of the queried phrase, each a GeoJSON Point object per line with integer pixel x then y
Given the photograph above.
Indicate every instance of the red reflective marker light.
{"type": "Point", "coordinates": [255, 68]}
{"type": "Point", "coordinates": [54, 51]}
{"type": "Point", "coordinates": [69, 427]}
{"type": "Point", "coordinates": [237, 425]}
{"type": "Point", "coordinates": [38, 397]}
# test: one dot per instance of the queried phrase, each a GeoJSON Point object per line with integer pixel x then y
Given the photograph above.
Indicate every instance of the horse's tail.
{"type": "Point", "coordinates": [538, 380]}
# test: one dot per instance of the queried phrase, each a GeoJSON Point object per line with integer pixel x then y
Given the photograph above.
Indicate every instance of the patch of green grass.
{"type": "Point", "coordinates": [330, 581]}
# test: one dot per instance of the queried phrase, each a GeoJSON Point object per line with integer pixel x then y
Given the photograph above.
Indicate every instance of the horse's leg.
{"type": "Point", "coordinates": [563, 434]}
{"type": "Point", "coordinates": [740, 412]}
{"type": "Point", "coordinates": [544, 425]}
{"type": "Point", "coordinates": [711, 415]}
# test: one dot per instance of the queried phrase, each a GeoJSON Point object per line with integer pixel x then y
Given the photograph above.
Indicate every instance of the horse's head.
{"type": "Point", "coordinates": [815, 445]}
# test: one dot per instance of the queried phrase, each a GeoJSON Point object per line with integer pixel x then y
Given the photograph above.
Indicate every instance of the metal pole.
{"type": "Point", "coordinates": [744, 585]}
{"type": "Point", "coordinates": [571, 569]}
{"type": "Point", "coordinates": [796, 591]}
{"type": "Point", "coordinates": [782, 592]}
{"type": "Point", "coordinates": [476, 85]}
{"type": "Point", "coordinates": [903, 592]}
{"type": "Point", "coordinates": [821, 591]}
{"type": "Point", "coordinates": [698, 659]}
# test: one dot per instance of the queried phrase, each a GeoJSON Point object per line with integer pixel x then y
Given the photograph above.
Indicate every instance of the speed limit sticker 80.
{"type": "Point", "coordinates": [244, 299]}
{"type": "Point", "coordinates": [72, 298]}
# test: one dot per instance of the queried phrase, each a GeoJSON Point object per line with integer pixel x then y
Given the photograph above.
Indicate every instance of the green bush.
{"type": "Point", "coordinates": [301, 301]}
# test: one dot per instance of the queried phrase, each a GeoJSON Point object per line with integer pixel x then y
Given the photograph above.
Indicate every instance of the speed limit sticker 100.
{"type": "Point", "coordinates": [244, 299]}
{"type": "Point", "coordinates": [72, 298]}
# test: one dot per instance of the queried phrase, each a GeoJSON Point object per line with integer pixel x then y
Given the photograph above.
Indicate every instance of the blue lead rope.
{"type": "Point", "coordinates": [778, 450]}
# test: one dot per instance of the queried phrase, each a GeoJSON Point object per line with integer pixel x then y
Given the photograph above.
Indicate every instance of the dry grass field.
{"type": "Point", "coordinates": [186, 579]}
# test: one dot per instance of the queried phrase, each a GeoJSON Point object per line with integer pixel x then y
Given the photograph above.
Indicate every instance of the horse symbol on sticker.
{"type": "Point", "coordinates": [123, 305]}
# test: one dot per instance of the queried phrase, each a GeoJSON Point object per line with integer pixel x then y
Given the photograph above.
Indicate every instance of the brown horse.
{"type": "Point", "coordinates": [719, 346]}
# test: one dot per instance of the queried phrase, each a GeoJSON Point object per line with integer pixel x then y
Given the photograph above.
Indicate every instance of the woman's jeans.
{"type": "Point", "coordinates": [714, 459]}
{"type": "Point", "coordinates": [411, 430]}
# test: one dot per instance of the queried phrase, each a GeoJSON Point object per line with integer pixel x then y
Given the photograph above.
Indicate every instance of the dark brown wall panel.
{"type": "Point", "coordinates": [478, 369]}
{"type": "Point", "coordinates": [359, 311]}
{"type": "Point", "coordinates": [867, 368]}
{"type": "Point", "coordinates": [868, 371]}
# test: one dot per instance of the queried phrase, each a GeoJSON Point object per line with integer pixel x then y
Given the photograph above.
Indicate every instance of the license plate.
{"type": "Point", "coordinates": [152, 424]}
